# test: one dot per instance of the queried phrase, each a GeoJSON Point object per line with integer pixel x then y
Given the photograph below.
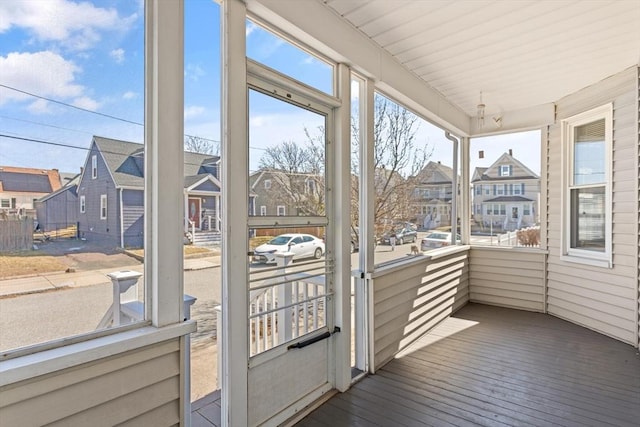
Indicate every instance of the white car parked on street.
{"type": "Point", "coordinates": [302, 246]}
{"type": "Point", "coordinates": [437, 239]}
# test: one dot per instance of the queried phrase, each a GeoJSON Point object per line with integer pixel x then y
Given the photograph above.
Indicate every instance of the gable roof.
{"type": "Point", "coordinates": [71, 185]}
{"type": "Point", "coordinates": [29, 180]}
{"type": "Point", "coordinates": [504, 159]}
{"type": "Point", "coordinates": [120, 158]}
{"type": "Point", "coordinates": [435, 173]}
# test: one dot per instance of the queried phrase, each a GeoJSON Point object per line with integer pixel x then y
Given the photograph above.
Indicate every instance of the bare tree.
{"type": "Point", "coordinates": [397, 160]}
{"type": "Point", "coordinates": [297, 173]}
{"type": "Point", "coordinates": [198, 144]}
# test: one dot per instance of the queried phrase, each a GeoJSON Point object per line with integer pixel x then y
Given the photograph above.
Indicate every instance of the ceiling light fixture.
{"type": "Point", "coordinates": [480, 114]}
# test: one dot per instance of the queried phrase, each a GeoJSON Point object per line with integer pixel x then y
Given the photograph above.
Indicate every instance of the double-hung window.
{"type": "Point", "coordinates": [103, 206]}
{"type": "Point", "coordinates": [587, 143]}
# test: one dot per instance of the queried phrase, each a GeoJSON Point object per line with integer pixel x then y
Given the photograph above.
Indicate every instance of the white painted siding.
{"type": "Point", "coordinates": [601, 299]}
{"type": "Point", "coordinates": [131, 388]}
{"type": "Point", "coordinates": [507, 277]}
{"type": "Point", "coordinates": [410, 301]}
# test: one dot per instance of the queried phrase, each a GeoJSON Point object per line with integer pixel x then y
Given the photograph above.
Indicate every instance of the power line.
{"type": "Point", "coordinates": [70, 105]}
{"type": "Point", "coordinates": [86, 111]}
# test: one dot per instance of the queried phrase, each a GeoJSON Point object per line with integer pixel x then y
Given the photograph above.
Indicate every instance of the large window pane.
{"type": "Point", "coordinates": [275, 52]}
{"type": "Point", "coordinates": [588, 219]}
{"type": "Point", "coordinates": [286, 159]}
{"type": "Point", "coordinates": [72, 169]}
{"type": "Point", "coordinates": [505, 183]}
{"type": "Point", "coordinates": [589, 154]}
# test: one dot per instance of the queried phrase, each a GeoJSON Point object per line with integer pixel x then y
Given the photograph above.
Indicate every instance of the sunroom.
{"type": "Point", "coordinates": [564, 74]}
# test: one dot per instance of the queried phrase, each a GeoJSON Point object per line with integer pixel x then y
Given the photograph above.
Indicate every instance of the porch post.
{"type": "Point", "coordinates": [465, 191]}
{"type": "Point", "coordinates": [235, 351]}
{"type": "Point", "coordinates": [341, 193]}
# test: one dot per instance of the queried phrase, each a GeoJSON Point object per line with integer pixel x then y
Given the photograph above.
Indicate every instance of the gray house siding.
{"type": "Point", "coordinates": [133, 218]}
{"type": "Point", "coordinates": [602, 299]}
{"type": "Point", "coordinates": [90, 226]}
{"type": "Point", "coordinates": [58, 211]}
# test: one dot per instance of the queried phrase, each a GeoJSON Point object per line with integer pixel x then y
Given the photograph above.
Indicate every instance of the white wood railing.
{"type": "Point", "coordinates": [286, 305]}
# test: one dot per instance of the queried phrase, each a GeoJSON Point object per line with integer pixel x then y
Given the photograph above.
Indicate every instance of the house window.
{"type": "Point", "coordinates": [94, 166]}
{"type": "Point", "coordinates": [489, 211]}
{"type": "Point", "coordinates": [267, 184]}
{"type": "Point", "coordinates": [505, 170]}
{"type": "Point", "coordinates": [588, 144]}
{"type": "Point", "coordinates": [263, 210]}
{"type": "Point", "coordinates": [82, 205]}
{"type": "Point", "coordinates": [487, 191]}
{"type": "Point", "coordinates": [281, 210]}
{"type": "Point", "coordinates": [5, 203]}
{"type": "Point", "coordinates": [517, 189]}
{"type": "Point", "coordinates": [311, 186]}
{"type": "Point", "coordinates": [103, 206]}
{"type": "Point", "coordinates": [478, 190]}
{"type": "Point", "coordinates": [500, 190]}
{"type": "Point", "coordinates": [526, 209]}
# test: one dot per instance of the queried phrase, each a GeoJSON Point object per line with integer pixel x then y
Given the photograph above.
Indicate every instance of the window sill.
{"type": "Point", "coordinates": [595, 262]}
{"type": "Point", "coordinates": [44, 362]}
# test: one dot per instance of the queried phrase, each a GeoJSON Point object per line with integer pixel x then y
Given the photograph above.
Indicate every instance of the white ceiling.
{"type": "Point", "coordinates": [518, 53]}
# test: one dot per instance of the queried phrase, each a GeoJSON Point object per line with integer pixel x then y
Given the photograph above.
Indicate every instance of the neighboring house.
{"type": "Point", "coordinates": [277, 193]}
{"type": "Point", "coordinates": [111, 193]}
{"type": "Point", "coordinates": [21, 187]}
{"type": "Point", "coordinates": [432, 195]}
{"type": "Point", "coordinates": [59, 209]}
{"type": "Point", "coordinates": [505, 195]}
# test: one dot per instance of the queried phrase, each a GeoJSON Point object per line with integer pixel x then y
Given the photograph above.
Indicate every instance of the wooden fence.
{"type": "Point", "coordinates": [16, 234]}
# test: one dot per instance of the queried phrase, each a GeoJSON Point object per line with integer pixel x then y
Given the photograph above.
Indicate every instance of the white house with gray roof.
{"type": "Point", "coordinates": [111, 193]}
{"type": "Point", "coordinates": [505, 195]}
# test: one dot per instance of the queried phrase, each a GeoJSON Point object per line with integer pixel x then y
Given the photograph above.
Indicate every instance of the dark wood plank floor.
{"type": "Point", "coordinates": [497, 367]}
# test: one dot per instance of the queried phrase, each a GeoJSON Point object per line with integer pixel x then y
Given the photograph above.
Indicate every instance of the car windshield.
{"type": "Point", "coordinates": [280, 240]}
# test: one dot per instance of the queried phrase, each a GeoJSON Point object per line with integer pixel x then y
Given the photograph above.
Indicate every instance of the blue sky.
{"type": "Point", "coordinates": [89, 55]}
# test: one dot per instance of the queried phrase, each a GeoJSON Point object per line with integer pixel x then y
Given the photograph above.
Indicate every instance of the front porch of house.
{"type": "Point", "coordinates": [488, 365]}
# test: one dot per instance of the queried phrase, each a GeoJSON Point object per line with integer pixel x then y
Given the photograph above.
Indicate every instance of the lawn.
{"type": "Point", "coordinates": [28, 263]}
{"type": "Point", "coordinates": [188, 250]}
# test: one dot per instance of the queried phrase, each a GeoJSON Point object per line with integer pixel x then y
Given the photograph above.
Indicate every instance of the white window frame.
{"type": "Point", "coordinates": [504, 168]}
{"type": "Point", "coordinates": [267, 184]}
{"type": "Point", "coordinates": [598, 259]}
{"type": "Point", "coordinates": [281, 208]}
{"type": "Point", "coordinates": [83, 204]}
{"type": "Point", "coordinates": [263, 210]}
{"type": "Point", "coordinates": [94, 166]}
{"type": "Point", "coordinates": [103, 206]}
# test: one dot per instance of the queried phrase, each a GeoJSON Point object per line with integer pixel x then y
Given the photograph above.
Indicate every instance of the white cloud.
{"type": "Point", "coordinates": [129, 95]}
{"type": "Point", "coordinates": [117, 55]}
{"type": "Point", "coordinates": [193, 111]}
{"type": "Point", "coordinates": [42, 73]}
{"type": "Point", "coordinates": [251, 27]}
{"type": "Point", "coordinates": [39, 106]}
{"type": "Point", "coordinates": [75, 25]}
{"type": "Point", "coordinates": [193, 72]}
{"type": "Point", "coordinates": [86, 103]}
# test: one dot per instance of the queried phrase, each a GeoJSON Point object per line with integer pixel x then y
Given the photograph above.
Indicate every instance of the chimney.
{"type": "Point", "coordinates": [510, 152]}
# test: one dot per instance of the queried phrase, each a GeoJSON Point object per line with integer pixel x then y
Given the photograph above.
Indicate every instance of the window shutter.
{"type": "Point", "coordinates": [494, 189]}
{"type": "Point", "coordinates": [522, 188]}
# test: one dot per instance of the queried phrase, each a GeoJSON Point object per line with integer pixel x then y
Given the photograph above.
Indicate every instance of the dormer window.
{"type": "Point", "coordinates": [505, 170]}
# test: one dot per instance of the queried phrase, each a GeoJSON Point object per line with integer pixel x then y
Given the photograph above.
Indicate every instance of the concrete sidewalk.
{"type": "Point", "coordinates": [59, 280]}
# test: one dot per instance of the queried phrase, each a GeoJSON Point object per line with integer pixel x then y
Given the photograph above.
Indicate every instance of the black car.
{"type": "Point", "coordinates": [403, 235]}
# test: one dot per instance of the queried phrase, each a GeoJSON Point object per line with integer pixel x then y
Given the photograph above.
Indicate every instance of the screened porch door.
{"type": "Point", "coordinates": [289, 269]}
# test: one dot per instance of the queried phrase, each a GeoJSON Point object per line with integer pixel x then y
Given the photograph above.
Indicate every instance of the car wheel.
{"type": "Point", "coordinates": [317, 254]}
{"type": "Point", "coordinates": [401, 241]}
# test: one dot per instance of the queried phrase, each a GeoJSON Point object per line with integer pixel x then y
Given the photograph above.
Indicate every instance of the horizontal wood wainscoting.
{"type": "Point", "coordinates": [137, 387]}
{"type": "Point", "coordinates": [411, 297]}
{"type": "Point", "coordinates": [508, 277]}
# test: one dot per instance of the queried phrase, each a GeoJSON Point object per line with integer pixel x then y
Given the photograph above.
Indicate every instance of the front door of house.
{"type": "Point", "coordinates": [193, 210]}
